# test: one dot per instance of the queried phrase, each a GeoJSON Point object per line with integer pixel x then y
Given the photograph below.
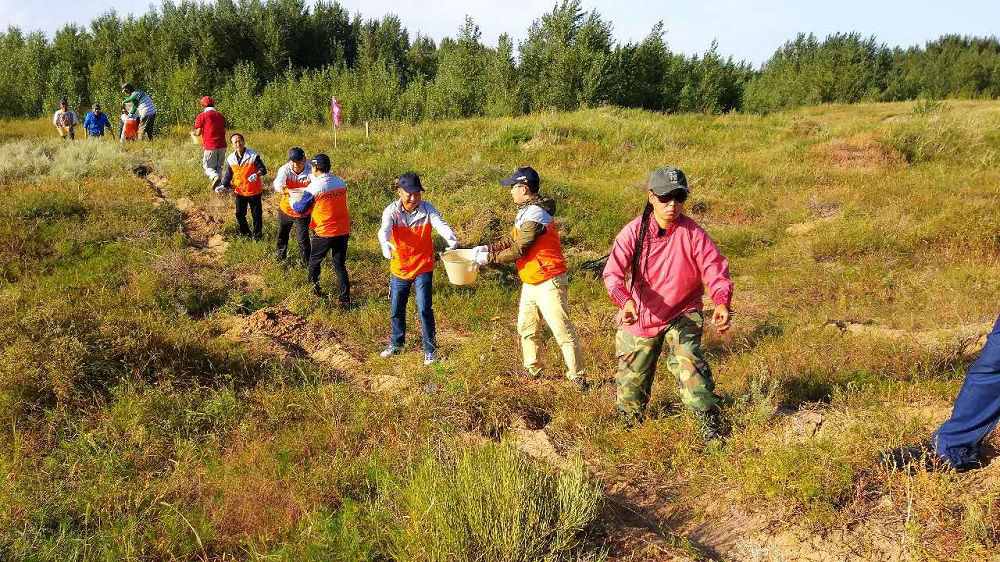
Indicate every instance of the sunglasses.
{"type": "Point", "coordinates": [678, 195]}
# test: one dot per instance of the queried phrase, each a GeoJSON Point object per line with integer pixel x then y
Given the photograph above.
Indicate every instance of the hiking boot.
{"type": "Point", "coordinates": [430, 358]}
{"type": "Point", "coordinates": [390, 351]}
{"type": "Point", "coordinates": [709, 424]}
{"type": "Point", "coordinates": [629, 420]}
{"type": "Point", "coordinates": [580, 383]}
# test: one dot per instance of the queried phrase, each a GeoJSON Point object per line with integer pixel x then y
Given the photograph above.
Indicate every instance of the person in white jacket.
{"type": "Point", "coordinates": [405, 238]}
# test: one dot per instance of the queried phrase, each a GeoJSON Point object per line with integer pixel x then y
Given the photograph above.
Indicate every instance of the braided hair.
{"type": "Point", "coordinates": [640, 241]}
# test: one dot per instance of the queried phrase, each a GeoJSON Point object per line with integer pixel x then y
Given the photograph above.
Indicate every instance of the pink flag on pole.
{"type": "Point", "coordinates": [336, 112]}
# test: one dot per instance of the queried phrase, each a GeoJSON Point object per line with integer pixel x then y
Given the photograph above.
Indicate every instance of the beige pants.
{"type": "Point", "coordinates": [547, 300]}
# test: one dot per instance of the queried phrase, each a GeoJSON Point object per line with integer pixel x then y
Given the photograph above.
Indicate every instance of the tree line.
{"type": "Point", "coordinates": [276, 62]}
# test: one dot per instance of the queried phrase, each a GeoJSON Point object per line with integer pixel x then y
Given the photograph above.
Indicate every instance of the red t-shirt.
{"type": "Point", "coordinates": [213, 129]}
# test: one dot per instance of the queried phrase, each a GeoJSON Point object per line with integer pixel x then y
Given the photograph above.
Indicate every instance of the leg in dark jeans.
{"type": "Point", "coordinates": [320, 246]}
{"type": "Point", "coordinates": [977, 407]}
{"type": "Point", "coordinates": [338, 253]}
{"type": "Point", "coordinates": [241, 214]}
{"type": "Point", "coordinates": [399, 294]}
{"type": "Point", "coordinates": [257, 214]}
{"type": "Point", "coordinates": [285, 224]}
{"type": "Point", "coordinates": [302, 234]}
{"type": "Point", "coordinates": [425, 310]}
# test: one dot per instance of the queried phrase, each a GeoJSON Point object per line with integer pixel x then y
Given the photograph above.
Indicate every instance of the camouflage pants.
{"type": "Point", "coordinates": [637, 359]}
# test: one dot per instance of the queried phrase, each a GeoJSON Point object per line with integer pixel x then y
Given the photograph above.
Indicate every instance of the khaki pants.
{"type": "Point", "coordinates": [547, 300]}
{"type": "Point", "coordinates": [213, 160]}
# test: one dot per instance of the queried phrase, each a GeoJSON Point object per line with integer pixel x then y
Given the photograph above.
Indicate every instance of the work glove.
{"type": "Point", "coordinates": [482, 256]}
{"type": "Point", "coordinates": [220, 189]}
{"type": "Point", "coordinates": [252, 178]}
{"type": "Point", "coordinates": [478, 249]}
{"type": "Point", "coordinates": [387, 248]}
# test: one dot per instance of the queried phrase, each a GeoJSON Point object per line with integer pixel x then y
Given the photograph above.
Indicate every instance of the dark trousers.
{"type": "Point", "coordinates": [256, 213]}
{"type": "Point", "coordinates": [399, 294]}
{"type": "Point", "coordinates": [977, 407]}
{"type": "Point", "coordinates": [146, 126]}
{"type": "Point", "coordinates": [301, 224]}
{"type": "Point", "coordinates": [337, 246]}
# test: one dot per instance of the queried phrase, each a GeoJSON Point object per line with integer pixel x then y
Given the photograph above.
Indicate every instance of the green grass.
{"type": "Point", "coordinates": [131, 428]}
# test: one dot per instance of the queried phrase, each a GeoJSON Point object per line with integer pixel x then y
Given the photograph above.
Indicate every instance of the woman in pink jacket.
{"type": "Point", "coordinates": [656, 274]}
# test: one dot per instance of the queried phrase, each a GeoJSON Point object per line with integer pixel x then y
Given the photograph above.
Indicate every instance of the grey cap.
{"type": "Point", "coordinates": [667, 179]}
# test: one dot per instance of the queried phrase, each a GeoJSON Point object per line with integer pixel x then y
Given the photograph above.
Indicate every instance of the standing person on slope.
{"type": "Point", "coordinates": [326, 195]}
{"type": "Point", "coordinates": [405, 238]}
{"type": "Point", "coordinates": [655, 274]}
{"type": "Point", "coordinates": [95, 122]}
{"type": "Point", "coordinates": [65, 120]}
{"type": "Point", "coordinates": [210, 125]}
{"type": "Point", "coordinates": [535, 249]}
{"type": "Point", "coordinates": [142, 105]}
{"type": "Point", "coordinates": [245, 173]}
{"type": "Point", "coordinates": [291, 181]}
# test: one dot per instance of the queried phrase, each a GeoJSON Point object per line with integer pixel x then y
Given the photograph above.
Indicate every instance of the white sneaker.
{"type": "Point", "coordinates": [390, 351]}
{"type": "Point", "coordinates": [430, 358]}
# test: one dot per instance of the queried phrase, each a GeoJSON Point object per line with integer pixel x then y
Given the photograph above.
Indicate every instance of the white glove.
{"type": "Point", "coordinates": [478, 249]}
{"type": "Point", "coordinates": [253, 177]}
{"type": "Point", "coordinates": [220, 189]}
{"type": "Point", "coordinates": [452, 246]}
{"type": "Point", "coordinates": [482, 257]}
{"type": "Point", "coordinates": [387, 249]}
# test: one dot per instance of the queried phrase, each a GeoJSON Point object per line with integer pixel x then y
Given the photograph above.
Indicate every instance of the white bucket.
{"type": "Point", "coordinates": [461, 266]}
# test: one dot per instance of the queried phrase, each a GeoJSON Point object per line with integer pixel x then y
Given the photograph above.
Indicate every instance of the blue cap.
{"type": "Point", "coordinates": [321, 162]}
{"type": "Point", "coordinates": [410, 183]}
{"type": "Point", "coordinates": [62, 101]}
{"type": "Point", "coordinates": [526, 175]}
{"type": "Point", "coordinates": [296, 154]}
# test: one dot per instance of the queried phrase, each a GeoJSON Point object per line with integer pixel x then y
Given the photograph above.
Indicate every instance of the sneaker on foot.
{"type": "Point", "coordinates": [629, 420]}
{"type": "Point", "coordinates": [390, 351]}
{"type": "Point", "coordinates": [214, 182]}
{"type": "Point", "coordinates": [909, 457]}
{"type": "Point", "coordinates": [430, 358]}
{"type": "Point", "coordinates": [528, 373]}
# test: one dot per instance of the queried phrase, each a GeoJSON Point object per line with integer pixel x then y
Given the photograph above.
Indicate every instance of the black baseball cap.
{"type": "Point", "coordinates": [321, 162]}
{"type": "Point", "coordinates": [526, 175]}
{"type": "Point", "coordinates": [62, 101]}
{"type": "Point", "coordinates": [97, 106]}
{"type": "Point", "coordinates": [295, 153]}
{"type": "Point", "coordinates": [410, 183]}
{"type": "Point", "coordinates": [667, 179]}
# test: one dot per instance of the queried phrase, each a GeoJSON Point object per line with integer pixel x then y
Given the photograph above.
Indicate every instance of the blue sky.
{"type": "Point", "coordinates": [749, 30]}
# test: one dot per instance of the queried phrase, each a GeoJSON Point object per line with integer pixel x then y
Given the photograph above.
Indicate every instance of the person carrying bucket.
{"type": "Point", "coordinates": [405, 238]}
{"type": "Point", "coordinates": [291, 181]}
{"type": "Point", "coordinates": [655, 274]}
{"type": "Point", "coordinates": [535, 249]}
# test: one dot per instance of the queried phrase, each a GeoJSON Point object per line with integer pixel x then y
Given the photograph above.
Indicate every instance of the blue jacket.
{"type": "Point", "coordinates": [95, 125]}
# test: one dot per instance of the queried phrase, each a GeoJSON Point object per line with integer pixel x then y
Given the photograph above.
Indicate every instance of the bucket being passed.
{"type": "Point", "coordinates": [461, 266]}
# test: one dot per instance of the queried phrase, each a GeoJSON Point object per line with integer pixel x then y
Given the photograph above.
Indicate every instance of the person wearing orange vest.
{"type": "Point", "coordinates": [406, 242]}
{"type": "Point", "coordinates": [244, 174]}
{"type": "Point", "coordinates": [535, 249]}
{"type": "Point", "coordinates": [291, 181]}
{"type": "Point", "coordinates": [326, 196]}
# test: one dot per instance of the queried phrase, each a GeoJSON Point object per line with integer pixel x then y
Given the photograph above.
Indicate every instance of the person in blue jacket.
{"type": "Point", "coordinates": [956, 443]}
{"type": "Point", "coordinates": [96, 122]}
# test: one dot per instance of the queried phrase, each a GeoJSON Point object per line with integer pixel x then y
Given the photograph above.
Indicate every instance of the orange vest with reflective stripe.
{"type": "Point", "coordinates": [242, 184]}
{"type": "Point", "coordinates": [544, 259]}
{"type": "Point", "coordinates": [329, 212]}
{"type": "Point", "coordinates": [414, 253]}
{"type": "Point", "coordinates": [292, 181]}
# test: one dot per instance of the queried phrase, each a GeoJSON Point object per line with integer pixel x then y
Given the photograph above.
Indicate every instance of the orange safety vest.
{"type": "Point", "coordinates": [414, 254]}
{"type": "Point", "coordinates": [544, 259]}
{"type": "Point", "coordinates": [293, 181]}
{"type": "Point", "coordinates": [329, 211]}
{"type": "Point", "coordinates": [242, 184]}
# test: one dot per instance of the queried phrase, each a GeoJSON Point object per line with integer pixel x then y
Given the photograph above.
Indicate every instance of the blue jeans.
{"type": "Point", "coordinates": [977, 407]}
{"type": "Point", "coordinates": [399, 294]}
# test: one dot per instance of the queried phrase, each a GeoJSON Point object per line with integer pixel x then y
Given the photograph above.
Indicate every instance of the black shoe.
{"type": "Point", "coordinates": [709, 424]}
{"type": "Point", "coordinates": [910, 457]}
{"type": "Point", "coordinates": [318, 292]}
{"type": "Point", "coordinates": [629, 420]}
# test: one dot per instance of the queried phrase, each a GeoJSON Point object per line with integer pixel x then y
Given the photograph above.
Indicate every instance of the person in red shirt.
{"type": "Point", "coordinates": [210, 125]}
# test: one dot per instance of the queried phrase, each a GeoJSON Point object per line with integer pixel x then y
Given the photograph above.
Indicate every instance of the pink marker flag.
{"type": "Point", "coordinates": [336, 112]}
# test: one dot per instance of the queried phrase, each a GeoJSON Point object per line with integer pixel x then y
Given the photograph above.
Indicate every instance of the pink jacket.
{"type": "Point", "coordinates": [673, 270]}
